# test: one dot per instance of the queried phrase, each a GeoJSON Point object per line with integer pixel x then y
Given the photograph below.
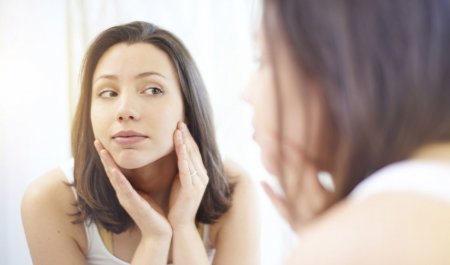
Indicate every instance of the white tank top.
{"type": "Point", "coordinates": [425, 177]}
{"type": "Point", "coordinates": [97, 253]}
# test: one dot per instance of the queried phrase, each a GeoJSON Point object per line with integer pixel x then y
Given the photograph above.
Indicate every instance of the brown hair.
{"type": "Point", "coordinates": [96, 197]}
{"type": "Point", "coordinates": [383, 69]}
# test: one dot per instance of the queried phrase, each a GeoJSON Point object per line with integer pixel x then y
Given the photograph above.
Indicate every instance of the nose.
{"type": "Point", "coordinates": [127, 109]}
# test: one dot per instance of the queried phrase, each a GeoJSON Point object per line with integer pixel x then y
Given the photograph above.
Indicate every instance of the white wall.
{"type": "Point", "coordinates": [41, 48]}
{"type": "Point", "coordinates": [33, 108]}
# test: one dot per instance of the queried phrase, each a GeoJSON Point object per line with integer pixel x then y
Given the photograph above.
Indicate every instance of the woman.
{"type": "Point", "coordinates": [147, 185]}
{"type": "Point", "coordinates": [352, 113]}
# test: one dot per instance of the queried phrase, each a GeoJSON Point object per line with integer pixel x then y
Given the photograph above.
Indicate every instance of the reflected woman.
{"type": "Point", "coordinates": [147, 184]}
{"type": "Point", "coordinates": [352, 112]}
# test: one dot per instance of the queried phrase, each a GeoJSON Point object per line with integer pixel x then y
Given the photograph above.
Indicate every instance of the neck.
{"type": "Point", "coordinates": [155, 179]}
{"type": "Point", "coordinates": [437, 152]}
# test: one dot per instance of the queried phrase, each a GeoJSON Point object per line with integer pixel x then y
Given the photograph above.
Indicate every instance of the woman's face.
{"type": "Point", "coordinates": [273, 100]}
{"type": "Point", "coordinates": [136, 103]}
{"type": "Point", "coordinates": [282, 98]}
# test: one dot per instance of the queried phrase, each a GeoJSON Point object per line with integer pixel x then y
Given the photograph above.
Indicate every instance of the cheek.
{"type": "Point", "coordinates": [260, 94]}
{"type": "Point", "coordinates": [265, 115]}
{"type": "Point", "coordinates": [102, 118]}
{"type": "Point", "coordinates": [97, 121]}
{"type": "Point", "coordinates": [165, 120]}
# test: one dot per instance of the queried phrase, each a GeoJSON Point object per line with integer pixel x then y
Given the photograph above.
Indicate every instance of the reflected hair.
{"type": "Point", "coordinates": [97, 200]}
{"type": "Point", "coordinates": [382, 70]}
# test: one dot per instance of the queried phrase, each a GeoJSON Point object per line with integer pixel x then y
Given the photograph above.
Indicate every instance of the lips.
{"type": "Point", "coordinates": [129, 137]}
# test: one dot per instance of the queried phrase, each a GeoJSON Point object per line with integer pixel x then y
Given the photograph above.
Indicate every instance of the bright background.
{"type": "Point", "coordinates": [41, 48]}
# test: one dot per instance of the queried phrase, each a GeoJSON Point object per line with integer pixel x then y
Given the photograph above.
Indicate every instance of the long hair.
{"type": "Point", "coordinates": [383, 74]}
{"type": "Point", "coordinates": [96, 197]}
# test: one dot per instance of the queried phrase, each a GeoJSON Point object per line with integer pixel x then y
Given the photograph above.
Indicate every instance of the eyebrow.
{"type": "Point", "coordinates": [141, 75]}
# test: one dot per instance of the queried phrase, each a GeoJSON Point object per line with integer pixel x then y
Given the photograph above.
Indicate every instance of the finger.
{"type": "Point", "coordinates": [196, 169]}
{"type": "Point", "coordinates": [107, 161]}
{"type": "Point", "coordinates": [122, 186]}
{"type": "Point", "coordinates": [193, 152]}
{"type": "Point", "coordinates": [192, 146]}
{"type": "Point", "coordinates": [105, 158]}
{"type": "Point", "coordinates": [188, 139]}
{"type": "Point", "coordinates": [97, 146]}
{"type": "Point", "coordinates": [278, 201]}
{"type": "Point", "coordinates": [183, 167]}
{"type": "Point", "coordinates": [128, 197]}
{"type": "Point", "coordinates": [197, 175]}
{"type": "Point", "coordinates": [109, 165]}
{"type": "Point", "coordinates": [198, 184]}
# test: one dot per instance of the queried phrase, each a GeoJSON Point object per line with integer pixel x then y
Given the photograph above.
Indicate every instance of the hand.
{"type": "Point", "coordinates": [190, 184]}
{"type": "Point", "coordinates": [279, 202]}
{"type": "Point", "coordinates": [304, 197]}
{"type": "Point", "coordinates": [141, 208]}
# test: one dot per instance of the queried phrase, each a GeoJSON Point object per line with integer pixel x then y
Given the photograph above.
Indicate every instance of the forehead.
{"type": "Point", "coordinates": [124, 59]}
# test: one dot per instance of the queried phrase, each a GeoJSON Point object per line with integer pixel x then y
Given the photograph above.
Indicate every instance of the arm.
{"type": "Point", "coordinates": [150, 251]}
{"type": "Point", "coordinates": [188, 247]}
{"type": "Point", "coordinates": [52, 237]}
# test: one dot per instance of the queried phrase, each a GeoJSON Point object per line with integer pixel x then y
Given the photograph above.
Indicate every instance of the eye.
{"type": "Point", "coordinates": [153, 91]}
{"type": "Point", "coordinates": [107, 94]}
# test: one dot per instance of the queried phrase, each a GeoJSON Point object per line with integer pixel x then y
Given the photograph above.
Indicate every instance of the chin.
{"type": "Point", "coordinates": [134, 159]}
{"type": "Point", "coordinates": [131, 159]}
{"type": "Point", "coordinates": [132, 163]}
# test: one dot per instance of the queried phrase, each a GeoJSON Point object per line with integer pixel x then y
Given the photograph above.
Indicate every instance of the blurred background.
{"type": "Point", "coordinates": [42, 44]}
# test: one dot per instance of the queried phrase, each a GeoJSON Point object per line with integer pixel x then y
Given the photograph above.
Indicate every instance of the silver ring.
{"type": "Point", "coordinates": [194, 174]}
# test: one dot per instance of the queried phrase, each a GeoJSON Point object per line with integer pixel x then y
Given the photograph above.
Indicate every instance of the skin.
{"type": "Point", "coordinates": [262, 96]}
{"type": "Point", "coordinates": [159, 180]}
{"type": "Point", "coordinates": [386, 228]}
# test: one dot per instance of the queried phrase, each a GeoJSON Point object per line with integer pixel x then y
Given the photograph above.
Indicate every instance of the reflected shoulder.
{"type": "Point", "coordinates": [387, 228]}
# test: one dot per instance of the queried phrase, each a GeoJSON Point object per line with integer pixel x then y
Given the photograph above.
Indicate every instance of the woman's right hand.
{"type": "Point", "coordinates": [141, 208]}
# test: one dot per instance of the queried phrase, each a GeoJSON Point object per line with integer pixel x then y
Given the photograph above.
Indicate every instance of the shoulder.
{"type": "Point", "coordinates": [239, 227]}
{"type": "Point", "coordinates": [245, 194]}
{"type": "Point", "coordinates": [50, 191]}
{"type": "Point", "coordinates": [237, 175]}
{"type": "Point", "coordinates": [47, 209]}
{"type": "Point", "coordinates": [386, 228]}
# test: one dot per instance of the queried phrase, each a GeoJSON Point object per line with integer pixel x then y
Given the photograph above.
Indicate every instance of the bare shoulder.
{"type": "Point", "coordinates": [245, 189]}
{"type": "Point", "coordinates": [237, 174]}
{"type": "Point", "coordinates": [387, 228]}
{"type": "Point", "coordinates": [236, 234]}
{"type": "Point", "coordinates": [47, 209]}
{"type": "Point", "coordinates": [49, 192]}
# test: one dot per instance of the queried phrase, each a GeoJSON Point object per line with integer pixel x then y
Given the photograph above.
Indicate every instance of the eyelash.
{"type": "Point", "coordinates": [114, 94]}
{"type": "Point", "coordinates": [107, 91]}
{"type": "Point", "coordinates": [159, 91]}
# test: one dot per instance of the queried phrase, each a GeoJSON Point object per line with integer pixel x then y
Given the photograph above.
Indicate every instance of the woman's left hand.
{"type": "Point", "coordinates": [190, 184]}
